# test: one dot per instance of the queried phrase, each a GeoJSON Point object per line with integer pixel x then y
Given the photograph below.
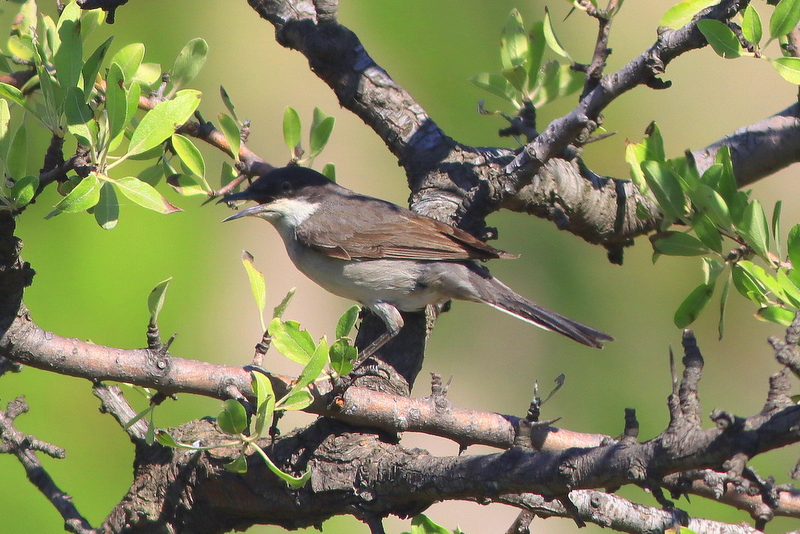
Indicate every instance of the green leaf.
{"type": "Point", "coordinates": [550, 36]}
{"type": "Point", "coordinates": [711, 270]}
{"type": "Point", "coordinates": [329, 172]}
{"type": "Point", "coordinates": [68, 60]}
{"type": "Point", "coordinates": [654, 143]}
{"type": "Point", "coordinates": [693, 305]}
{"type": "Point", "coordinates": [138, 417]}
{"type": "Point", "coordinates": [233, 417]}
{"type": "Point", "coordinates": [784, 18]}
{"type": "Point", "coordinates": [747, 286]}
{"type": "Point", "coordinates": [151, 175]}
{"type": "Point", "coordinates": [228, 103]}
{"type": "Point", "coordinates": [347, 321]}
{"type": "Point", "coordinates": [291, 128]}
{"type": "Point", "coordinates": [189, 155]}
{"type": "Point", "coordinates": [569, 81]}
{"type": "Point", "coordinates": [279, 310]}
{"type": "Point", "coordinates": [106, 211]}
{"type": "Point", "coordinates": [162, 121]}
{"type": "Point", "coordinates": [776, 314]}
{"type": "Point", "coordinates": [295, 482]}
{"type": "Point", "coordinates": [9, 92]}
{"type": "Point", "coordinates": [678, 244]}
{"type": "Point", "coordinates": [128, 59]}
{"type": "Point", "coordinates": [265, 404]}
{"type": "Point", "coordinates": [22, 47]}
{"type": "Point", "coordinates": [421, 524]}
{"type": "Point", "coordinates": [712, 204]}
{"type": "Point", "coordinates": [663, 183]}
{"type": "Point", "coordinates": [232, 134]}
{"type": "Point", "coordinates": [753, 227]}
{"type": "Point", "coordinates": [155, 300]}
{"type": "Point", "coordinates": [189, 62]}
{"type": "Point", "coordinates": [727, 186]}
{"type": "Point", "coordinates": [788, 68]}
{"type": "Point", "coordinates": [341, 355]}
{"type": "Point", "coordinates": [764, 279]}
{"type": "Point", "coordinates": [147, 74]}
{"type": "Point", "coordinates": [257, 285]}
{"type": "Point", "coordinates": [289, 340]}
{"type": "Point", "coordinates": [85, 195]}
{"type": "Point", "coordinates": [513, 42]}
{"type": "Point", "coordinates": [91, 20]}
{"type": "Point", "coordinates": [751, 25]}
{"type": "Point", "coordinates": [536, 49]}
{"type": "Point", "coordinates": [227, 174]}
{"type": "Point", "coordinates": [793, 246]}
{"type": "Point", "coordinates": [5, 120]}
{"type": "Point", "coordinates": [320, 135]}
{"type": "Point", "coordinates": [80, 119]}
{"type": "Point", "coordinates": [789, 288]}
{"type": "Point", "coordinates": [52, 95]}
{"type": "Point", "coordinates": [24, 190]}
{"type": "Point", "coordinates": [237, 465]}
{"type": "Point", "coordinates": [678, 15]}
{"type": "Point", "coordinates": [116, 102]}
{"type": "Point", "coordinates": [187, 185]}
{"type": "Point", "coordinates": [721, 38]}
{"type": "Point", "coordinates": [314, 367]}
{"type": "Point", "coordinates": [263, 388]}
{"type": "Point", "coordinates": [26, 21]}
{"type": "Point", "coordinates": [707, 232]}
{"type": "Point", "coordinates": [723, 302]}
{"type": "Point", "coordinates": [634, 156]}
{"type": "Point", "coordinates": [17, 161]}
{"type": "Point", "coordinates": [494, 84]}
{"type": "Point", "coordinates": [144, 195]}
{"type": "Point", "coordinates": [549, 84]}
{"type": "Point", "coordinates": [166, 440]}
{"type": "Point", "coordinates": [298, 400]}
{"type": "Point", "coordinates": [776, 227]}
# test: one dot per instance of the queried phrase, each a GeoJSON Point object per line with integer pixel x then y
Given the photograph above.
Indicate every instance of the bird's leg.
{"type": "Point", "coordinates": [381, 340]}
{"type": "Point", "coordinates": [394, 323]}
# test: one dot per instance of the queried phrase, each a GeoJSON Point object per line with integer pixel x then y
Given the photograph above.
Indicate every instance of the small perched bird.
{"type": "Point", "coordinates": [388, 258]}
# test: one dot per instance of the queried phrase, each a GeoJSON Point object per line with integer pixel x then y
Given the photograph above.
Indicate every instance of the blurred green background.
{"type": "Point", "coordinates": [92, 284]}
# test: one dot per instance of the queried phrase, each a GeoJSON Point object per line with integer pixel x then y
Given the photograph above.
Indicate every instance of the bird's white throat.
{"type": "Point", "coordinates": [289, 212]}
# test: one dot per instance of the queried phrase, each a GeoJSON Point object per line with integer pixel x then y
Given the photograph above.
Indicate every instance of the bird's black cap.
{"type": "Point", "coordinates": [280, 183]}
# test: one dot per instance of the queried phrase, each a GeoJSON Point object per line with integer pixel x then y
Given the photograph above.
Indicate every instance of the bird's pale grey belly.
{"type": "Point", "coordinates": [408, 285]}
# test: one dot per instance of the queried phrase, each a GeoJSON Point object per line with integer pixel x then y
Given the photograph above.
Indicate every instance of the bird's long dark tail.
{"type": "Point", "coordinates": [498, 295]}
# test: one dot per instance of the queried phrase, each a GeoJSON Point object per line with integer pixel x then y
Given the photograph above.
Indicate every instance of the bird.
{"type": "Point", "coordinates": [386, 257]}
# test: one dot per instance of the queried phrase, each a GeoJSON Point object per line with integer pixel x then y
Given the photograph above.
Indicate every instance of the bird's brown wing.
{"type": "Point", "coordinates": [391, 232]}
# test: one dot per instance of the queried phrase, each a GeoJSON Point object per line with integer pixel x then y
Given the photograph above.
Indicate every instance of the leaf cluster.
{"type": "Point", "coordinates": [712, 214]}
{"type": "Point", "coordinates": [525, 77]}
{"type": "Point", "coordinates": [746, 41]}
{"type": "Point", "coordinates": [318, 136]}
{"type": "Point", "coordinates": [116, 108]}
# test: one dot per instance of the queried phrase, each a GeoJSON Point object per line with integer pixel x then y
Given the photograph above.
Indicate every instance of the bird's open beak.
{"type": "Point", "coordinates": [253, 210]}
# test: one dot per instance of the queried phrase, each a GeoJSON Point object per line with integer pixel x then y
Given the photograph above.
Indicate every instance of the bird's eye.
{"type": "Point", "coordinates": [285, 187]}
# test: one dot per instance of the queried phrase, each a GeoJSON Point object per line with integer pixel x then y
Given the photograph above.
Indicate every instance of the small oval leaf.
{"type": "Point", "coordinates": [721, 38]}
{"type": "Point", "coordinates": [291, 128]}
{"type": "Point", "coordinates": [155, 300]}
{"type": "Point", "coordinates": [233, 417]}
{"type": "Point", "coordinates": [678, 244]}
{"type": "Point", "coordinates": [692, 305]}
{"type": "Point", "coordinates": [162, 121]}
{"type": "Point", "coordinates": [144, 195]}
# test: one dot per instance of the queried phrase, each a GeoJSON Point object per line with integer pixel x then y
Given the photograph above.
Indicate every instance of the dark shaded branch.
{"type": "Point", "coordinates": [12, 441]}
